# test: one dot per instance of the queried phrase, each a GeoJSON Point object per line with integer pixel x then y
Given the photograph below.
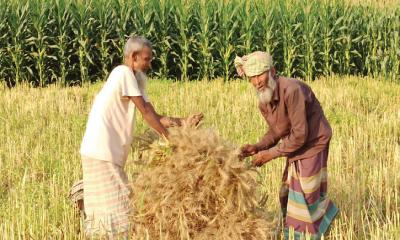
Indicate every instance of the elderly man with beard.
{"type": "Point", "coordinates": [299, 131]}
{"type": "Point", "coordinates": [107, 141]}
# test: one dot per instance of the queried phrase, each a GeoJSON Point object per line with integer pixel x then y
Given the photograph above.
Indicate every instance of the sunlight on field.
{"type": "Point", "coordinates": [381, 3]}
{"type": "Point", "coordinates": [42, 131]}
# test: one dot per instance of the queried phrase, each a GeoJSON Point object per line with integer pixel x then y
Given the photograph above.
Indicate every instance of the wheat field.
{"type": "Point", "coordinates": [41, 131]}
{"type": "Point", "coordinates": [71, 42]}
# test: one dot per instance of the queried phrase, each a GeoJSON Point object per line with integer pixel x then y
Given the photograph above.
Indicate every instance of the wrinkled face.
{"type": "Point", "coordinates": [142, 60]}
{"type": "Point", "coordinates": [260, 82]}
{"type": "Point", "coordinates": [264, 85]}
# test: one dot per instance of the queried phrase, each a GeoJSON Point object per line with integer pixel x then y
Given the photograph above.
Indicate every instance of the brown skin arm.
{"type": "Point", "coordinates": [164, 120]}
{"type": "Point", "coordinates": [149, 115]}
{"type": "Point", "coordinates": [265, 143]}
{"type": "Point", "coordinates": [167, 122]}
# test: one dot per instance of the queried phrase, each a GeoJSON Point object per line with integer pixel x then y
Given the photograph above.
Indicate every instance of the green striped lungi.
{"type": "Point", "coordinates": [303, 197]}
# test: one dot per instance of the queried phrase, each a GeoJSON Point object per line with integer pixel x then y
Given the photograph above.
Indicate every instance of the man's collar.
{"type": "Point", "coordinates": [275, 96]}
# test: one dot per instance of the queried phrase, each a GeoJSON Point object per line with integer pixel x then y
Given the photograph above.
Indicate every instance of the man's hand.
{"type": "Point", "coordinates": [262, 157]}
{"type": "Point", "coordinates": [193, 119]}
{"type": "Point", "coordinates": [248, 150]}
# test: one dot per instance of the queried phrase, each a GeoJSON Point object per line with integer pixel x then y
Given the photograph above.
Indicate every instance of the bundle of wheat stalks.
{"type": "Point", "coordinates": [195, 187]}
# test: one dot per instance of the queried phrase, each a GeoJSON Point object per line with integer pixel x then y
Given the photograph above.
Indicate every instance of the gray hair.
{"type": "Point", "coordinates": [136, 44]}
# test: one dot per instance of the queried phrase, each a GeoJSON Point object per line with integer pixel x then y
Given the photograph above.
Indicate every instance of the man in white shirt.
{"type": "Point", "coordinates": [108, 138]}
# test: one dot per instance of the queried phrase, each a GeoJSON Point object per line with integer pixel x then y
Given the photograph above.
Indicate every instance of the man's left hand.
{"type": "Point", "coordinates": [262, 157]}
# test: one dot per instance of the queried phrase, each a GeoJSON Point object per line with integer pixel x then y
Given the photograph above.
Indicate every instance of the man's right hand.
{"type": "Point", "coordinates": [248, 150]}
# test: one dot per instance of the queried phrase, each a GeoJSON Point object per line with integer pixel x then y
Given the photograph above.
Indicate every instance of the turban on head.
{"type": "Point", "coordinates": [254, 64]}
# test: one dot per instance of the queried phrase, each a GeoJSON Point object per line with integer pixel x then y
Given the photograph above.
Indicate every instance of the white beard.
{"type": "Point", "coordinates": [141, 79]}
{"type": "Point", "coordinates": [265, 95]}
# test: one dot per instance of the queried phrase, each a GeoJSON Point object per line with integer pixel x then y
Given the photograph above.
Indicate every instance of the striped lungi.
{"type": "Point", "coordinates": [303, 197]}
{"type": "Point", "coordinates": [107, 199]}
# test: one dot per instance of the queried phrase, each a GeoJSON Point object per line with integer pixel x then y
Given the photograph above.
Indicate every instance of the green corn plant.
{"type": "Point", "coordinates": [340, 42]}
{"type": "Point", "coordinates": [163, 23]}
{"type": "Point", "coordinates": [329, 24]}
{"type": "Point", "coordinates": [122, 11]}
{"type": "Point", "coordinates": [358, 41]}
{"type": "Point", "coordinates": [83, 28]}
{"type": "Point", "coordinates": [40, 40]}
{"type": "Point", "coordinates": [289, 33]}
{"type": "Point", "coordinates": [372, 43]}
{"type": "Point", "coordinates": [266, 11]}
{"type": "Point", "coordinates": [19, 30]}
{"type": "Point", "coordinates": [105, 34]}
{"type": "Point", "coordinates": [257, 11]}
{"type": "Point", "coordinates": [206, 39]}
{"type": "Point", "coordinates": [184, 38]}
{"type": "Point", "coordinates": [359, 47]}
{"type": "Point", "coordinates": [390, 41]}
{"type": "Point", "coordinates": [365, 51]}
{"type": "Point", "coordinates": [389, 38]}
{"type": "Point", "coordinates": [309, 39]}
{"type": "Point", "coordinates": [394, 47]}
{"type": "Point", "coordinates": [143, 18]}
{"type": "Point", "coordinates": [385, 29]}
{"type": "Point", "coordinates": [5, 61]}
{"type": "Point", "coordinates": [369, 28]}
{"type": "Point", "coordinates": [380, 32]}
{"type": "Point", "coordinates": [247, 21]}
{"type": "Point", "coordinates": [62, 39]}
{"type": "Point", "coordinates": [347, 38]}
{"type": "Point", "coordinates": [226, 14]}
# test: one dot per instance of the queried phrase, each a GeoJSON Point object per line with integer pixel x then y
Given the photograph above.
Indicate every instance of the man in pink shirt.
{"type": "Point", "coordinates": [299, 131]}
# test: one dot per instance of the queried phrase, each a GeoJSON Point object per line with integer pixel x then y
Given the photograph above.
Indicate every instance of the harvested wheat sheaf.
{"type": "Point", "coordinates": [195, 187]}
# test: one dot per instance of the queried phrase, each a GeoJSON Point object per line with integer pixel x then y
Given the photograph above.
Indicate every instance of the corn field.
{"type": "Point", "coordinates": [73, 42]}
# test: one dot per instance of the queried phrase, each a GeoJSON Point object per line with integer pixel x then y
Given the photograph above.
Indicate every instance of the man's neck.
{"type": "Point", "coordinates": [130, 65]}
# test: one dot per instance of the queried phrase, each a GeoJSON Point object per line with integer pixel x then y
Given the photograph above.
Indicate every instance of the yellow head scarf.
{"type": "Point", "coordinates": [254, 63]}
